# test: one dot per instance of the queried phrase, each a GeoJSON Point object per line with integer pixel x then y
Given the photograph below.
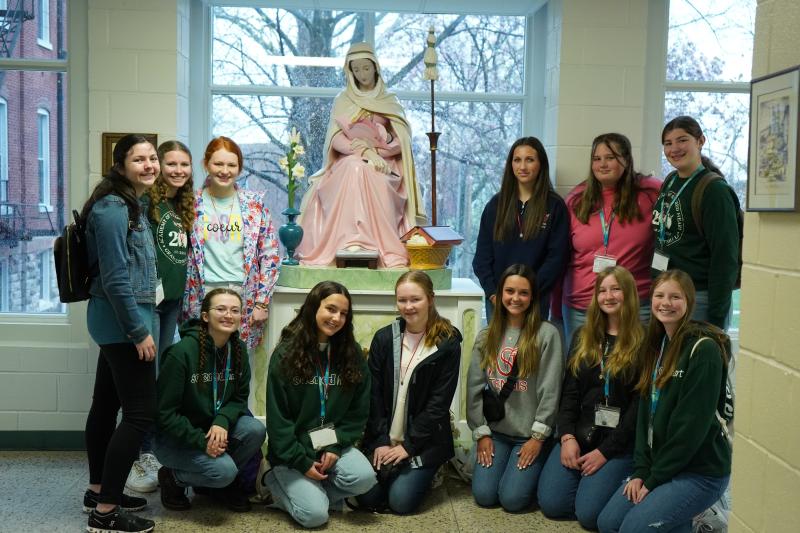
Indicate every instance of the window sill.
{"type": "Point", "coordinates": [45, 208]}
{"type": "Point", "coordinates": [44, 44]}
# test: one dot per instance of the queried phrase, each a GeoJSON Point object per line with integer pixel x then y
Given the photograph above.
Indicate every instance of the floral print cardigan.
{"type": "Point", "coordinates": [261, 262]}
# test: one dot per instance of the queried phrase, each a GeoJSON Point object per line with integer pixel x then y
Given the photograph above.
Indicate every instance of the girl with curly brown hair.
{"type": "Point", "coordinates": [318, 390]}
{"type": "Point", "coordinates": [206, 433]}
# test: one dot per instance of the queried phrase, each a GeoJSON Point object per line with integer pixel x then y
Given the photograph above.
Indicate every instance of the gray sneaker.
{"type": "Point", "coordinates": [139, 480]}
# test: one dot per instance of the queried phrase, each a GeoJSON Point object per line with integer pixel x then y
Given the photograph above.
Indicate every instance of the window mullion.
{"type": "Point", "coordinates": [706, 86]}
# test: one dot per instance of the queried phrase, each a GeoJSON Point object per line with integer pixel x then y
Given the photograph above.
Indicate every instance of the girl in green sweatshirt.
{"type": "Point", "coordinates": [205, 432]}
{"type": "Point", "coordinates": [682, 456]}
{"type": "Point", "coordinates": [318, 390]}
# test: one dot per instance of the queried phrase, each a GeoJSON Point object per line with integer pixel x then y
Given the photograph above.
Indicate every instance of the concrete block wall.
{"type": "Point", "coordinates": [595, 76]}
{"type": "Point", "coordinates": [766, 466]}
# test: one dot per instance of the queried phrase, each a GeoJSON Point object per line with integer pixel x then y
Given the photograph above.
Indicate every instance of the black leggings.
{"type": "Point", "coordinates": [121, 380]}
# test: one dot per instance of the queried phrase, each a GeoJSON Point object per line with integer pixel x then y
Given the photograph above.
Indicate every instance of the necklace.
{"type": "Point", "coordinates": [230, 209]}
{"type": "Point", "coordinates": [410, 360]}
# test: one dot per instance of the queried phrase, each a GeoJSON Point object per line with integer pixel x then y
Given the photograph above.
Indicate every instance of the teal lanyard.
{"type": "Point", "coordinates": [662, 228]}
{"type": "Point", "coordinates": [323, 387]}
{"type": "Point", "coordinates": [655, 392]}
{"type": "Point", "coordinates": [218, 402]}
{"type": "Point", "coordinates": [606, 229]}
{"type": "Point", "coordinates": [605, 376]}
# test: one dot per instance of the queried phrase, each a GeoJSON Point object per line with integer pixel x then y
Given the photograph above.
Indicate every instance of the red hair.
{"type": "Point", "coordinates": [222, 143]}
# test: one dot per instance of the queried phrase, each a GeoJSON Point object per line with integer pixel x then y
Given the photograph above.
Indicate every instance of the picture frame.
{"type": "Point", "coordinates": [772, 163]}
{"type": "Point", "coordinates": [109, 141]}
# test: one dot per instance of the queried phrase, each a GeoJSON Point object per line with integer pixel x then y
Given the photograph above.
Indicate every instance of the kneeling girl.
{"type": "Point", "coordinates": [597, 415]}
{"type": "Point", "coordinates": [414, 363]}
{"type": "Point", "coordinates": [512, 423]}
{"type": "Point", "coordinates": [206, 435]}
{"type": "Point", "coordinates": [318, 389]}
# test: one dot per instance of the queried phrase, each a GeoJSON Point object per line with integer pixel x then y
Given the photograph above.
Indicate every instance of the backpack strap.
{"type": "Point", "coordinates": [697, 198]}
{"type": "Point", "coordinates": [722, 423]}
{"type": "Point", "coordinates": [511, 381]}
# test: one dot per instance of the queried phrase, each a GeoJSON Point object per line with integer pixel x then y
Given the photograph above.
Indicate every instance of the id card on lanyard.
{"type": "Point", "coordinates": [606, 415]}
{"type": "Point", "coordinates": [655, 394]}
{"type": "Point", "coordinates": [603, 261]}
{"type": "Point", "coordinates": [660, 257]}
{"type": "Point", "coordinates": [218, 401]}
{"type": "Point", "coordinates": [325, 434]}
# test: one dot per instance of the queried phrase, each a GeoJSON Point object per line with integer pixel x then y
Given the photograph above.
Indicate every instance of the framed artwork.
{"type": "Point", "coordinates": [109, 141]}
{"type": "Point", "coordinates": [772, 164]}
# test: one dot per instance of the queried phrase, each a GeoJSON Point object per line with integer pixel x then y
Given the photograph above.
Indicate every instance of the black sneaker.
{"type": "Point", "coordinates": [173, 496]}
{"type": "Point", "coordinates": [118, 521]}
{"type": "Point", "coordinates": [235, 498]}
{"type": "Point", "coordinates": [129, 503]}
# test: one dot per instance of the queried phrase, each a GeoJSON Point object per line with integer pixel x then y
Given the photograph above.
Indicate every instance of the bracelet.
{"type": "Point", "coordinates": [537, 435]}
{"type": "Point", "coordinates": [567, 439]}
{"type": "Point", "coordinates": [261, 305]}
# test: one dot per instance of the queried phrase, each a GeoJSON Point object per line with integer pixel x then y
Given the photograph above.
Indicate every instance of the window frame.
{"type": "Point", "coordinates": [5, 285]}
{"type": "Point", "coordinates": [43, 25]}
{"type": "Point", "coordinates": [3, 152]}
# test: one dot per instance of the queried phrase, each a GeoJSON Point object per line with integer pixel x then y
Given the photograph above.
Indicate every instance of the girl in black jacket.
{"type": "Point", "coordinates": [597, 415]}
{"type": "Point", "coordinates": [414, 364]}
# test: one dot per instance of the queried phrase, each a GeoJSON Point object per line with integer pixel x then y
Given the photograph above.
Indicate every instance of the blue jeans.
{"type": "Point", "coordinates": [308, 500]}
{"type": "Point", "coordinates": [196, 468]}
{"type": "Point", "coordinates": [565, 493]}
{"type": "Point", "coordinates": [503, 482]}
{"type": "Point", "coordinates": [403, 492]}
{"type": "Point", "coordinates": [701, 308]}
{"type": "Point", "coordinates": [167, 323]}
{"type": "Point", "coordinates": [575, 318]}
{"type": "Point", "coordinates": [669, 508]}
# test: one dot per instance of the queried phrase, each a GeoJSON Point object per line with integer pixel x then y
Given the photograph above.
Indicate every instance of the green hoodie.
{"type": "Point", "coordinates": [687, 437]}
{"type": "Point", "coordinates": [185, 394]}
{"type": "Point", "coordinates": [293, 408]}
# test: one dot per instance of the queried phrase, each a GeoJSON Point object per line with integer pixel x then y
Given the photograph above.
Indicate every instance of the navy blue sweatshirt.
{"type": "Point", "coordinates": [547, 252]}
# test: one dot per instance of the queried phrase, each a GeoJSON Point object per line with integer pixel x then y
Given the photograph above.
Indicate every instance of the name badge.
{"type": "Point", "coordinates": [660, 261]}
{"type": "Point", "coordinates": [606, 416]}
{"type": "Point", "coordinates": [159, 293]}
{"type": "Point", "coordinates": [601, 262]}
{"type": "Point", "coordinates": [323, 436]}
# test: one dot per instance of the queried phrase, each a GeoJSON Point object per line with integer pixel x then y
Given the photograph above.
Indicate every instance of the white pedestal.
{"type": "Point", "coordinates": [462, 305]}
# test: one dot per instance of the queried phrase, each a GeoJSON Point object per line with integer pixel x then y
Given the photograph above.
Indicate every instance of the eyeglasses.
{"type": "Point", "coordinates": [234, 311]}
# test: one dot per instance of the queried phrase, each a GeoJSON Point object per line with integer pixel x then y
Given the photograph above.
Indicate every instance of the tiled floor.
{"type": "Point", "coordinates": [42, 492]}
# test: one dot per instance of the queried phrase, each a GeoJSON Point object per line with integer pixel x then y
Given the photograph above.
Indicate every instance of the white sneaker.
{"type": "Point", "coordinates": [150, 464]}
{"type": "Point", "coordinates": [139, 480]}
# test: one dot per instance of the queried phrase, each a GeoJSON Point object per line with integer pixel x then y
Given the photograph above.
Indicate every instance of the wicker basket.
{"type": "Point", "coordinates": [425, 257]}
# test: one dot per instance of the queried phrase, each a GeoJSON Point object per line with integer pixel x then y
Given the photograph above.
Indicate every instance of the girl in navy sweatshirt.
{"type": "Point", "coordinates": [525, 223]}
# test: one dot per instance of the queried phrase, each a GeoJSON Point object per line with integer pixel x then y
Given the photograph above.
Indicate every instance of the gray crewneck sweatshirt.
{"type": "Point", "coordinates": [533, 404]}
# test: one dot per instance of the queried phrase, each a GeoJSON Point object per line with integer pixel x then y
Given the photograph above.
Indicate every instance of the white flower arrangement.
{"type": "Point", "coordinates": [290, 164]}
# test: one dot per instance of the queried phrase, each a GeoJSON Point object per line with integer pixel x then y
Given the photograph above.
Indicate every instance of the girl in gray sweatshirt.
{"type": "Point", "coordinates": [517, 345]}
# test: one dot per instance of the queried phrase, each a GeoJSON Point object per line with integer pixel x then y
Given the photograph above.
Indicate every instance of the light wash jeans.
{"type": "Point", "coordinates": [565, 493]}
{"type": "Point", "coordinates": [308, 500]}
{"type": "Point", "coordinates": [669, 508]}
{"type": "Point", "coordinates": [701, 309]}
{"type": "Point", "coordinates": [575, 318]}
{"type": "Point", "coordinates": [403, 492]}
{"type": "Point", "coordinates": [503, 482]}
{"type": "Point", "coordinates": [196, 468]}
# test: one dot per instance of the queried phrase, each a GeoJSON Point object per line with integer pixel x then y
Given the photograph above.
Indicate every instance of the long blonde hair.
{"type": "Point", "coordinates": [528, 352]}
{"type": "Point", "coordinates": [437, 328]}
{"type": "Point", "coordinates": [686, 329]}
{"type": "Point", "coordinates": [623, 359]}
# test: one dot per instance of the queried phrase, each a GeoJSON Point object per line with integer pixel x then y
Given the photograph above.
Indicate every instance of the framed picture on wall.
{"type": "Point", "coordinates": [110, 140]}
{"type": "Point", "coordinates": [772, 165]}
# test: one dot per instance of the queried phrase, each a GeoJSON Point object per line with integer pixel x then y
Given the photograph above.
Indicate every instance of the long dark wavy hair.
{"type": "Point", "coordinates": [528, 352]}
{"type": "Point", "coordinates": [236, 346]}
{"type": "Point", "coordinates": [301, 336]}
{"type": "Point", "coordinates": [184, 197]}
{"type": "Point", "coordinates": [115, 182]}
{"type": "Point", "coordinates": [536, 208]}
{"type": "Point", "coordinates": [627, 188]}
{"type": "Point", "coordinates": [692, 127]}
{"type": "Point", "coordinates": [687, 329]}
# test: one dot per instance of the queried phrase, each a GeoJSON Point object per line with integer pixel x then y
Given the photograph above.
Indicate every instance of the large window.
{"type": "Point", "coordinates": [33, 148]}
{"type": "Point", "coordinates": [273, 69]}
{"type": "Point", "coordinates": [708, 73]}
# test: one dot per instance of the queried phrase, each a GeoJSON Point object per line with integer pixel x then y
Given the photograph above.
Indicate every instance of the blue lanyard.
{"type": "Point", "coordinates": [662, 229]}
{"type": "Point", "coordinates": [605, 377]}
{"type": "Point", "coordinates": [655, 392]}
{"type": "Point", "coordinates": [323, 388]}
{"type": "Point", "coordinates": [606, 229]}
{"type": "Point", "coordinates": [218, 402]}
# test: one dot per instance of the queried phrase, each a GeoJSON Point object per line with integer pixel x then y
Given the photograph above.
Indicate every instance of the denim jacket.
{"type": "Point", "coordinates": [125, 262]}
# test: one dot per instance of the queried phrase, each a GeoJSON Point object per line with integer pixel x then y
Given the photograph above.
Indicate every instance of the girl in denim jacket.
{"type": "Point", "coordinates": [120, 320]}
